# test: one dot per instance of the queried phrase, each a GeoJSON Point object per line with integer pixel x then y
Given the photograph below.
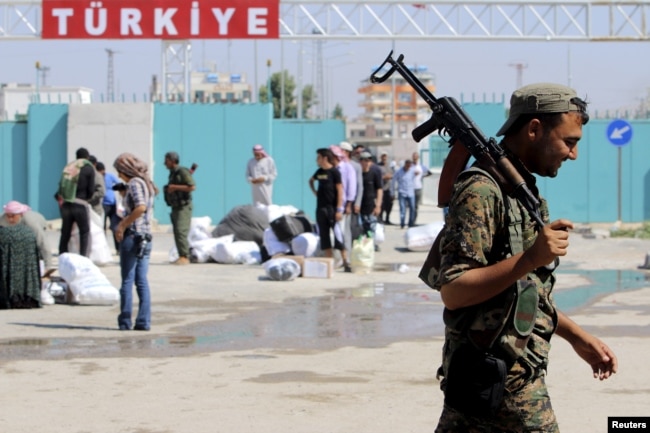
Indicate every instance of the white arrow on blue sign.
{"type": "Point", "coordinates": [619, 132]}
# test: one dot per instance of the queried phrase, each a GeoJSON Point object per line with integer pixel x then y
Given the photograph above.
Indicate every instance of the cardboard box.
{"type": "Point", "coordinates": [298, 259]}
{"type": "Point", "coordinates": [318, 267]}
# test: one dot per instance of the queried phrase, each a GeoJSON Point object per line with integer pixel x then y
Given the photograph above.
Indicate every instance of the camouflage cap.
{"type": "Point", "coordinates": [539, 98]}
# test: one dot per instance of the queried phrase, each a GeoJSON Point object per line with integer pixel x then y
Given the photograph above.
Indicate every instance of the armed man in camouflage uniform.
{"type": "Point", "coordinates": [178, 195]}
{"type": "Point", "coordinates": [495, 279]}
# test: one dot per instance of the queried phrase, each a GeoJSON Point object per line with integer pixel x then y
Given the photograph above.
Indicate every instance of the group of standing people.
{"type": "Point", "coordinates": [348, 197]}
{"type": "Point", "coordinates": [407, 184]}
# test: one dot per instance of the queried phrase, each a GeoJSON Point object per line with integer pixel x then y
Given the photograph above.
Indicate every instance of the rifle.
{"type": "Point", "coordinates": [449, 119]}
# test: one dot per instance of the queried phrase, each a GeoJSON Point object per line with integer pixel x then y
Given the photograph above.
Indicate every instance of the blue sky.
{"type": "Point", "coordinates": [610, 74]}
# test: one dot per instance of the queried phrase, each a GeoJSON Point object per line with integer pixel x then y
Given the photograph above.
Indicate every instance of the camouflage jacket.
{"type": "Point", "coordinates": [482, 229]}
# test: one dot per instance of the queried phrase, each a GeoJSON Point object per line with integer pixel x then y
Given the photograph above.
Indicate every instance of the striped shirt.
{"type": "Point", "coordinates": [137, 194]}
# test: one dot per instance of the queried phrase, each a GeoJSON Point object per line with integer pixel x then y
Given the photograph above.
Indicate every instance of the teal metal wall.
{"type": "Point", "coordinates": [13, 161]}
{"type": "Point", "coordinates": [47, 130]}
{"type": "Point", "coordinates": [488, 115]}
{"type": "Point", "coordinates": [586, 190]}
{"type": "Point", "coordinates": [219, 138]}
{"type": "Point", "coordinates": [32, 155]}
{"type": "Point", "coordinates": [294, 152]}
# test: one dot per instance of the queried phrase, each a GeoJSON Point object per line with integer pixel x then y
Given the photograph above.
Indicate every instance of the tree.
{"type": "Point", "coordinates": [308, 98]}
{"type": "Point", "coordinates": [276, 92]}
{"type": "Point", "coordinates": [290, 103]}
{"type": "Point", "coordinates": [337, 112]}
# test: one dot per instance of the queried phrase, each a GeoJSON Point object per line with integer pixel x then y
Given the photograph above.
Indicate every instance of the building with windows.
{"type": "Point", "coordinates": [210, 87]}
{"type": "Point", "coordinates": [219, 87]}
{"type": "Point", "coordinates": [393, 108]}
{"type": "Point", "coordinates": [16, 97]}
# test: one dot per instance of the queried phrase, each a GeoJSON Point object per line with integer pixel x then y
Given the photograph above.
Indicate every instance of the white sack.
{"type": "Point", "coordinates": [93, 290]}
{"type": "Point", "coordinates": [305, 244]}
{"type": "Point", "coordinates": [100, 253]}
{"type": "Point", "coordinates": [421, 238]}
{"type": "Point", "coordinates": [273, 245]}
{"type": "Point", "coordinates": [238, 252]}
{"type": "Point", "coordinates": [73, 266]}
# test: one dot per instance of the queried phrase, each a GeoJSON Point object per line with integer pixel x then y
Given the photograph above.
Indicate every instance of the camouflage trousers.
{"type": "Point", "coordinates": [528, 409]}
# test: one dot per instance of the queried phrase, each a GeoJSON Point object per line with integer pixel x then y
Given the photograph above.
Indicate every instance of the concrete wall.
{"type": "Point", "coordinates": [107, 130]}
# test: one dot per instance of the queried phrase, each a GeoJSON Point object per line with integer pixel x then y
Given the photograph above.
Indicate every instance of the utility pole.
{"type": "Point", "coordinates": [43, 70]}
{"type": "Point", "coordinates": [519, 67]}
{"type": "Point", "coordinates": [110, 79]}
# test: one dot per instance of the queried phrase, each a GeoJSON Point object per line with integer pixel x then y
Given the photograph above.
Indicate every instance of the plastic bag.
{"type": "Point", "coordinates": [281, 269]}
{"type": "Point", "coordinates": [379, 234]}
{"type": "Point", "coordinates": [363, 255]}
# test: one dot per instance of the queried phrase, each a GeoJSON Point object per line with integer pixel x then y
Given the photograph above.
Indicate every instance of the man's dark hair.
{"type": "Point", "coordinates": [326, 153]}
{"type": "Point", "coordinates": [92, 159]}
{"type": "Point", "coordinates": [82, 153]}
{"type": "Point", "coordinates": [100, 166]}
{"type": "Point", "coordinates": [173, 157]}
{"type": "Point", "coordinates": [549, 120]}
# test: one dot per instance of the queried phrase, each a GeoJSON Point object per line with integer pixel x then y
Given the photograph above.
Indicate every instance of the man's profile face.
{"type": "Point", "coordinates": [556, 146]}
{"type": "Point", "coordinates": [168, 163]}
{"type": "Point", "coordinates": [258, 155]}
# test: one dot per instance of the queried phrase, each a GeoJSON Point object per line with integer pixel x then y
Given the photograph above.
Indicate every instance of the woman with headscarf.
{"type": "Point", "coordinates": [261, 173]}
{"type": "Point", "coordinates": [134, 235]}
{"type": "Point", "coordinates": [20, 281]}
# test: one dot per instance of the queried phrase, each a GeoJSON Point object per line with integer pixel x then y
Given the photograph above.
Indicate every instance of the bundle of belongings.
{"type": "Point", "coordinates": [249, 234]}
{"type": "Point", "coordinates": [227, 248]}
{"type": "Point", "coordinates": [81, 282]}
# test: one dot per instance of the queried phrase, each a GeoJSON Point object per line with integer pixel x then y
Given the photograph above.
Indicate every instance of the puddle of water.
{"type": "Point", "coordinates": [366, 316]}
{"type": "Point", "coordinates": [602, 282]}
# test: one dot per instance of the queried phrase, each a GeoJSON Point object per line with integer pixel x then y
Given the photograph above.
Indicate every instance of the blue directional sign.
{"type": "Point", "coordinates": [619, 132]}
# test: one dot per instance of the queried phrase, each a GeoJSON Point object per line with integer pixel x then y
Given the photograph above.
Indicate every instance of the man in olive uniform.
{"type": "Point", "coordinates": [178, 195]}
{"type": "Point", "coordinates": [495, 279]}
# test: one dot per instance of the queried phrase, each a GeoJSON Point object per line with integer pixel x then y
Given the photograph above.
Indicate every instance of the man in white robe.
{"type": "Point", "coordinates": [261, 173]}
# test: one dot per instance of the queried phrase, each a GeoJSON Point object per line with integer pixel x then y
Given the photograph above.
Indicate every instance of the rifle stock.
{"type": "Point", "coordinates": [455, 163]}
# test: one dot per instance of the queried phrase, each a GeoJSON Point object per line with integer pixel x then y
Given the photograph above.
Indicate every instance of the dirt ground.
{"type": "Point", "coordinates": [230, 351]}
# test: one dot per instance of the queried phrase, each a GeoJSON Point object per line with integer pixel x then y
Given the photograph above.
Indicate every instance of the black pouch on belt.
{"type": "Point", "coordinates": [475, 382]}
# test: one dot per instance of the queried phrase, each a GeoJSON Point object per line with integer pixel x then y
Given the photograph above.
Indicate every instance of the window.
{"type": "Point", "coordinates": [404, 97]}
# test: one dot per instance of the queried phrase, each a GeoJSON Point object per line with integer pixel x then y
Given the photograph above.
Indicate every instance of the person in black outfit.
{"type": "Point", "coordinates": [74, 209]}
{"type": "Point", "coordinates": [329, 204]}
{"type": "Point", "coordinates": [371, 203]}
{"type": "Point", "coordinates": [387, 199]}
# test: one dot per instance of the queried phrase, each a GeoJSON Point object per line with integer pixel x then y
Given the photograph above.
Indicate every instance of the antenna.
{"type": "Point", "coordinates": [519, 66]}
{"type": "Point", "coordinates": [110, 79]}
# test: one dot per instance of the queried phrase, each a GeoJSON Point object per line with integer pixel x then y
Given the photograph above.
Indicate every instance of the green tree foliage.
{"type": "Point", "coordinates": [308, 97]}
{"type": "Point", "coordinates": [290, 102]}
{"type": "Point", "coordinates": [337, 112]}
